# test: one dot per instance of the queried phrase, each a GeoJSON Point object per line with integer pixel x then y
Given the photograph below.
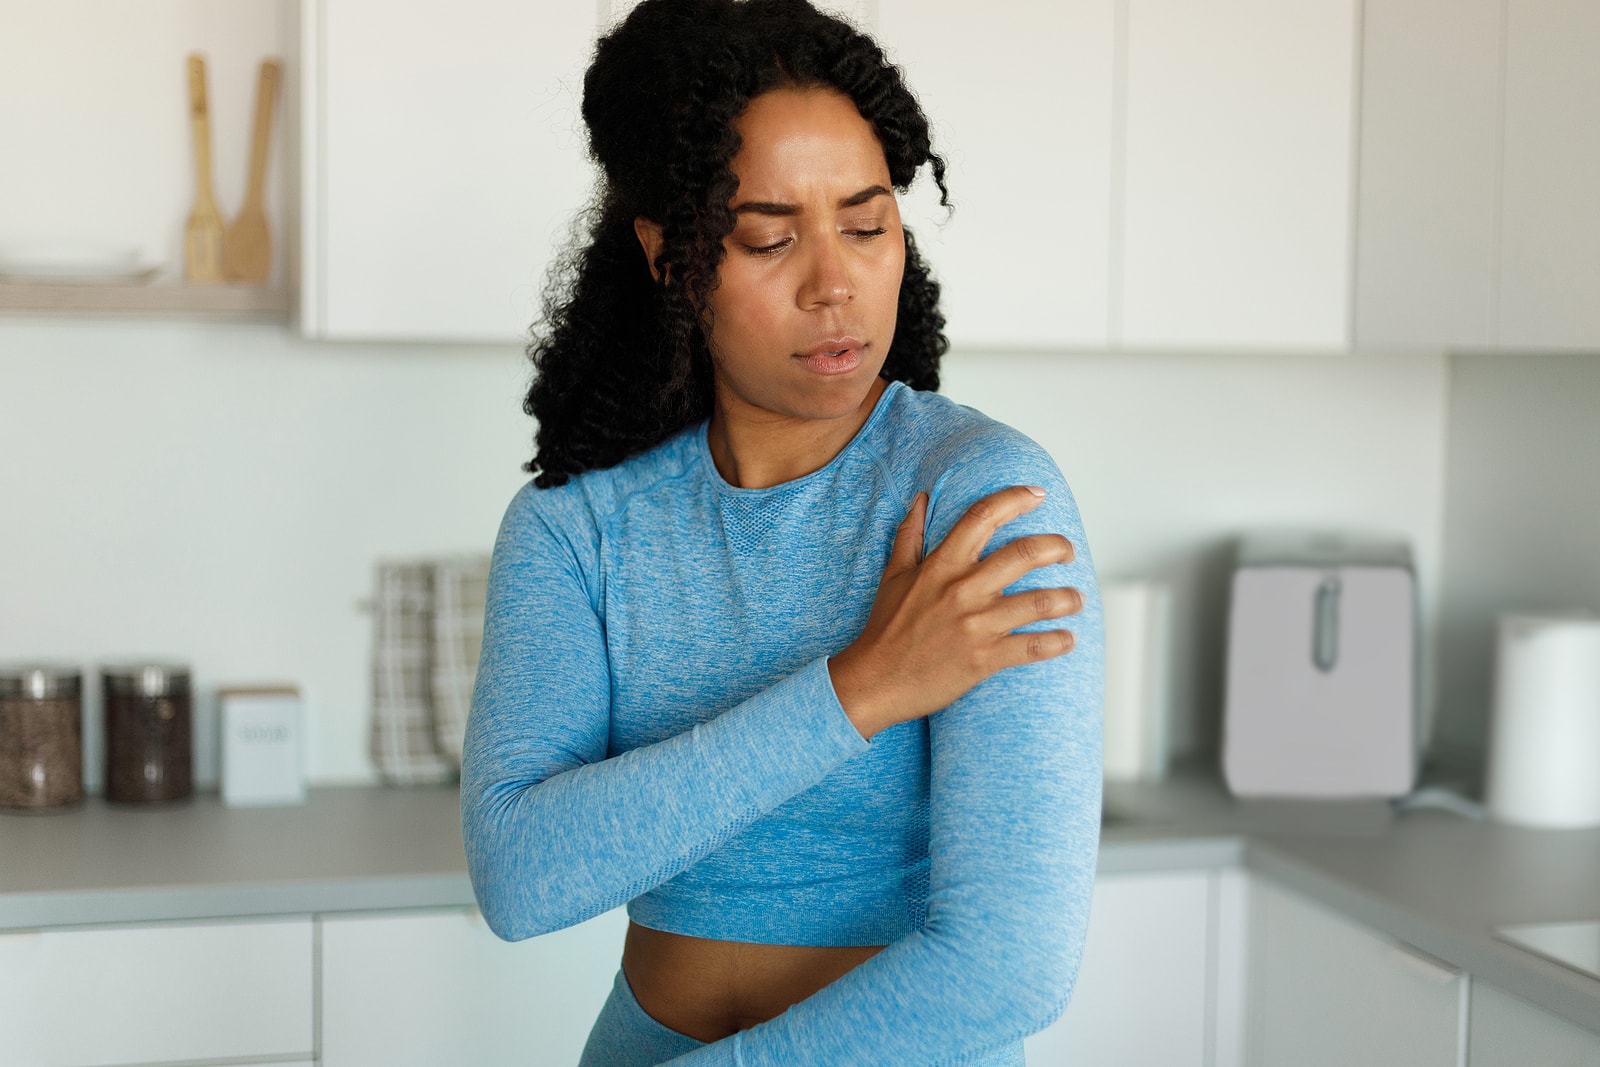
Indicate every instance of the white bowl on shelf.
{"type": "Point", "coordinates": [75, 263]}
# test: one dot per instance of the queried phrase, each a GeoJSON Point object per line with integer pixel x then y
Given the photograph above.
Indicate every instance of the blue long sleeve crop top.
{"type": "Point", "coordinates": [653, 724]}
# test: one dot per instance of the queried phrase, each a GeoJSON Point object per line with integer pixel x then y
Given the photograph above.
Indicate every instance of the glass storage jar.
{"type": "Point", "coordinates": [41, 737]}
{"type": "Point", "coordinates": [148, 719]}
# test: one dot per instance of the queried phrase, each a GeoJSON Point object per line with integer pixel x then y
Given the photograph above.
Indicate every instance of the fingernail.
{"type": "Point", "coordinates": [1036, 490]}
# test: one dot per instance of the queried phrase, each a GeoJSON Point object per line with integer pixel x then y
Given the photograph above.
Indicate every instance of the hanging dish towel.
{"type": "Point", "coordinates": [459, 587]}
{"type": "Point", "coordinates": [402, 740]}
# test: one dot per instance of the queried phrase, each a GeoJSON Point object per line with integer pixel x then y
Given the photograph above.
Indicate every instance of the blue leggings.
{"type": "Point", "coordinates": [625, 1036]}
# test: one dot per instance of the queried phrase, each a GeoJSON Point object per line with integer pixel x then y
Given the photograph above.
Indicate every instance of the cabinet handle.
{"type": "Point", "coordinates": [1425, 966]}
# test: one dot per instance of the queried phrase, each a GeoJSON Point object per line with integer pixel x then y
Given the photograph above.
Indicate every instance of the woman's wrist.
{"type": "Point", "coordinates": [863, 703]}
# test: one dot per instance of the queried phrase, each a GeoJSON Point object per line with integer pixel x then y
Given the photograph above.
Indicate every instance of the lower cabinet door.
{"type": "Point", "coordinates": [1507, 1032]}
{"type": "Point", "coordinates": [157, 993]}
{"type": "Point", "coordinates": [1325, 992]}
{"type": "Point", "coordinates": [1141, 993]}
{"type": "Point", "coordinates": [419, 989]}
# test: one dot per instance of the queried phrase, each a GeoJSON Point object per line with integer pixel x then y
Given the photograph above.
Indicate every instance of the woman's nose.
{"type": "Point", "coordinates": [827, 280]}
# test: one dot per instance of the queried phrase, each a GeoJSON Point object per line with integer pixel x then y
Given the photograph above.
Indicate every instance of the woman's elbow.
{"type": "Point", "coordinates": [1052, 993]}
{"type": "Point", "coordinates": [1047, 1004]}
{"type": "Point", "coordinates": [502, 907]}
{"type": "Point", "coordinates": [500, 886]}
{"type": "Point", "coordinates": [1036, 983]}
{"type": "Point", "coordinates": [501, 913]}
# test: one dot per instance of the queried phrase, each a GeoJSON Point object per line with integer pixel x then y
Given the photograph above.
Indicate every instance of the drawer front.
{"type": "Point", "coordinates": [424, 988]}
{"type": "Point", "coordinates": [159, 992]}
{"type": "Point", "coordinates": [1508, 1032]}
{"type": "Point", "coordinates": [1325, 992]}
{"type": "Point", "coordinates": [1140, 996]}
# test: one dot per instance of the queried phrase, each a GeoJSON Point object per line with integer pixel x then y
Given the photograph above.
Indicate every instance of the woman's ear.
{"type": "Point", "coordinates": [649, 234]}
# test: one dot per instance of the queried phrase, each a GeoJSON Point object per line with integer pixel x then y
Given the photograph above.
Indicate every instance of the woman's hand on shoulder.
{"type": "Point", "coordinates": [942, 623]}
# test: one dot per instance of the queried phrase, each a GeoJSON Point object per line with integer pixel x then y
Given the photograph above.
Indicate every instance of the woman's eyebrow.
{"type": "Point", "coordinates": [767, 207]}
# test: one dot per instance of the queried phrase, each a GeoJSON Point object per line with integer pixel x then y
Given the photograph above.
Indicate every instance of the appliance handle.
{"type": "Point", "coordinates": [1325, 625]}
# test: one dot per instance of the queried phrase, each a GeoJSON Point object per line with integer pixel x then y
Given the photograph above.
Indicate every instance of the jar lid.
{"type": "Point", "coordinates": [40, 681]}
{"type": "Point", "coordinates": [146, 679]}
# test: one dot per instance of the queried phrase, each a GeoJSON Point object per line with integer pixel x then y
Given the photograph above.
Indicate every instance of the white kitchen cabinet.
{"type": "Point", "coordinates": [1507, 1032]}
{"type": "Point", "coordinates": [434, 987]}
{"type": "Point", "coordinates": [1020, 97]}
{"type": "Point", "coordinates": [1144, 989]}
{"type": "Point", "coordinates": [1326, 991]}
{"type": "Point", "coordinates": [1550, 211]}
{"type": "Point", "coordinates": [1237, 174]}
{"type": "Point", "coordinates": [157, 992]}
{"type": "Point", "coordinates": [443, 158]}
{"type": "Point", "coordinates": [1428, 185]}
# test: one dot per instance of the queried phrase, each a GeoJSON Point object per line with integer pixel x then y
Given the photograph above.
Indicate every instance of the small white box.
{"type": "Point", "coordinates": [263, 746]}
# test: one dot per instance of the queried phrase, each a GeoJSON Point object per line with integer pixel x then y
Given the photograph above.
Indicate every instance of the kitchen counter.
{"type": "Point", "coordinates": [346, 849]}
{"type": "Point", "coordinates": [1433, 879]}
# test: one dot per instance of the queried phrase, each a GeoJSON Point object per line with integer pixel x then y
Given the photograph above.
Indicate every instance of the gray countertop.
{"type": "Point", "coordinates": [1432, 879]}
{"type": "Point", "coordinates": [346, 849]}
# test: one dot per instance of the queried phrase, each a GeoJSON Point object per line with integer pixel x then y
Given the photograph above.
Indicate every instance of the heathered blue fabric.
{"type": "Point", "coordinates": [653, 724]}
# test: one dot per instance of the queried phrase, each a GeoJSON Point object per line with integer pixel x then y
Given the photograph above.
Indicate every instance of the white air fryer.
{"type": "Point", "coordinates": [1321, 691]}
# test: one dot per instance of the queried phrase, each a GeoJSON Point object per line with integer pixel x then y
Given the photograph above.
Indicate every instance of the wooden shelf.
{"type": "Point", "coordinates": [169, 299]}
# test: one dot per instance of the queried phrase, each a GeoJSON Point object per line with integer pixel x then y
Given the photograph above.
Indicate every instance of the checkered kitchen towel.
{"type": "Point", "coordinates": [427, 637]}
{"type": "Point", "coordinates": [402, 741]}
{"type": "Point", "coordinates": [459, 586]}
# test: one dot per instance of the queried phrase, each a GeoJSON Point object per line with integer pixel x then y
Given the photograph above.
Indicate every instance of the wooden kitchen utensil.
{"type": "Point", "coordinates": [247, 245]}
{"type": "Point", "coordinates": [202, 236]}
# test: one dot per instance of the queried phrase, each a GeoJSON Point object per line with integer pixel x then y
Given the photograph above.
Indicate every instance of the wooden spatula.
{"type": "Point", "coordinates": [202, 236]}
{"type": "Point", "coordinates": [247, 246]}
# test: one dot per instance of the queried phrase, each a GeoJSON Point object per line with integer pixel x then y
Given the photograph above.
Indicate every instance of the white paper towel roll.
{"type": "Point", "coordinates": [1544, 738]}
{"type": "Point", "coordinates": [1137, 626]}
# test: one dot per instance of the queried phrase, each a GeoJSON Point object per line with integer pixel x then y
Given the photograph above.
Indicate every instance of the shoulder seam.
{"type": "Point", "coordinates": [655, 483]}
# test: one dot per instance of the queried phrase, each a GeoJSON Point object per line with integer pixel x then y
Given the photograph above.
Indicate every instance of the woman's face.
{"type": "Point", "coordinates": [804, 311]}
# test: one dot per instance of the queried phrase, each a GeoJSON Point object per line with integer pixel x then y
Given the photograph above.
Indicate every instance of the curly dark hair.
{"type": "Point", "coordinates": [620, 360]}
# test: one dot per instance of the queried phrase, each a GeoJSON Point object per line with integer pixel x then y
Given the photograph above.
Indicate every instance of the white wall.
{"type": "Point", "coordinates": [219, 493]}
{"type": "Point", "coordinates": [1172, 456]}
{"type": "Point", "coordinates": [1523, 517]}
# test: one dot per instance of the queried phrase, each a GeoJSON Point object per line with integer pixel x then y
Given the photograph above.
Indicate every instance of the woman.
{"type": "Point", "coordinates": [748, 665]}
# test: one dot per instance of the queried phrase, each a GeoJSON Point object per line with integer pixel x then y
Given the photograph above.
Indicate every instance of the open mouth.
{"type": "Point", "coordinates": [830, 360]}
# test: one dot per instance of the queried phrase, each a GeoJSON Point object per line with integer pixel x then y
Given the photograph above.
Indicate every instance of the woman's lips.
{"type": "Point", "coordinates": [837, 356]}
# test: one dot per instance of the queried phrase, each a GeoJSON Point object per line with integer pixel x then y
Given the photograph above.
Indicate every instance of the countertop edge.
{"type": "Point", "coordinates": [98, 907]}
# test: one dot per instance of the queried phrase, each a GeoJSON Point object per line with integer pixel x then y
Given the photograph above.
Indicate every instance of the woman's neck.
{"type": "Point", "coordinates": [757, 449]}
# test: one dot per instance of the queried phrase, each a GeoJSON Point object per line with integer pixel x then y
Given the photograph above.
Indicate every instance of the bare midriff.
{"type": "Point", "coordinates": [709, 989]}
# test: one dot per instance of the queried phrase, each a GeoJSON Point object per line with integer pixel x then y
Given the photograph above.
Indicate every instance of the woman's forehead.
{"type": "Point", "coordinates": [809, 143]}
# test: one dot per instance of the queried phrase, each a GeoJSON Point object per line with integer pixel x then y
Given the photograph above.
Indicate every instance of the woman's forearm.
{"type": "Point", "coordinates": [551, 842]}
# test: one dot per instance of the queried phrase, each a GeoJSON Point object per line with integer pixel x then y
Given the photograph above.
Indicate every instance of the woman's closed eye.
{"type": "Point", "coordinates": [773, 249]}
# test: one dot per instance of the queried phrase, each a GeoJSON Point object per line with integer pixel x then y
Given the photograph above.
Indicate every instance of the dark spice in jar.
{"type": "Point", "coordinates": [149, 747]}
{"type": "Point", "coordinates": [41, 738]}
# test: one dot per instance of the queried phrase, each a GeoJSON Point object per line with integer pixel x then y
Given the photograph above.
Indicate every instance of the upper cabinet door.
{"type": "Point", "coordinates": [1430, 143]}
{"type": "Point", "coordinates": [1020, 100]}
{"type": "Point", "coordinates": [1550, 211]}
{"type": "Point", "coordinates": [1238, 180]}
{"type": "Point", "coordinates": [444, 159]}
